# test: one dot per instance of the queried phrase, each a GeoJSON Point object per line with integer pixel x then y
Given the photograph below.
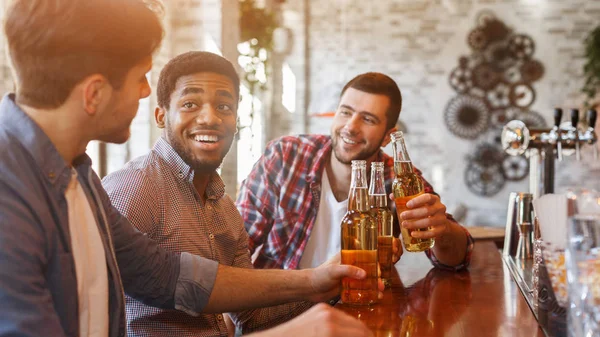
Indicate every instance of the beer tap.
{"type": "Point", "coordinates": [554, 136]}
{"type": "Point", "coordinates": [589, 136]}
{"type": "Point", "coordinates": [573, 133]}
{"type": "Point", "coordinates": [539, 144]}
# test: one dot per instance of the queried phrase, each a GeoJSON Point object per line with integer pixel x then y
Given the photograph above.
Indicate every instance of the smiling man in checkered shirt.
{"type": "Point", "coordinates": [295, 196]}
{"type": "Point", "coordinates": [175, 196]}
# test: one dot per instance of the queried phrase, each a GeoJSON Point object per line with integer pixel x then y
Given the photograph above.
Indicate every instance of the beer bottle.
{"type": "Point", "coordinates": [407, 185]}
{"type": "Point", "coordinates": [383, 218]}
{"type": "Point", "coordinates": [359, 240]}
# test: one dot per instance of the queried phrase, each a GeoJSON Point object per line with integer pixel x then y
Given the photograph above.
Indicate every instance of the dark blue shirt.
{"type": "Point", "coordinates": [38, 285]}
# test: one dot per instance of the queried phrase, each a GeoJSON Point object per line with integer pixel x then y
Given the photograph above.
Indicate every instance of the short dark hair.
{"type": "Point", "coordinates": [189, 63]}
{"type": "Point", "coordinates": [54, 44]}
{"type": "Point", "coordinates": [380, 84]}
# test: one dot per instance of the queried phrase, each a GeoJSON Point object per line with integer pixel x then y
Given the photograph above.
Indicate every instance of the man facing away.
{"type": "Point", "coordinates": [66, 255]}
{"type": "Point", "coordinates": [176, 197]}
{"type": "Point", "coordinates": [295, 196]}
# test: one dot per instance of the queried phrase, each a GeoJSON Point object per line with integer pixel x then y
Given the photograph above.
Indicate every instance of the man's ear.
{"type": "Point", "coordinates": [96, 92]}
{"type": "Point", "coordinates": [387, 139]}
{"type": "Point", "coordinates": [159, 116]}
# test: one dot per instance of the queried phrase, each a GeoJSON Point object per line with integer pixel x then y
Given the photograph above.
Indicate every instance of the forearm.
{"type": "Point", "coordinates": [259, 319]}
{"type": "Point", "coordinates": [238, 289]}
{"type": "Point", "coordinates": [450, 248]}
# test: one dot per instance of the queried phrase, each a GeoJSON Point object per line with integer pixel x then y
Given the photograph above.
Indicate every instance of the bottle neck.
{"type": "Point", "coordinates": [358, 199]}
{"type": "Point", "coordinates": [378, 201]}
{"type": "Point", "coordinates": [377, 192]}
{"type": "Point", "coordinates": [399, 148]}
{"type": "Point", "coordinates": [402, 162]}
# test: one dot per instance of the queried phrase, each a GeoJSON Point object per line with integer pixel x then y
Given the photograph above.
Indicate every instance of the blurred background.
{"type": "Point", "coordinates": [465, 68]}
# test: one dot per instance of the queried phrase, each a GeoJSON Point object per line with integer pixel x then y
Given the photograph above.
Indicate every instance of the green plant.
{"type": "Point", "coordinates": [591, 69]}
{"type": "Point", "coordinates": [256, 29]}
{"type": "Point", "coordinates": [256, 35]}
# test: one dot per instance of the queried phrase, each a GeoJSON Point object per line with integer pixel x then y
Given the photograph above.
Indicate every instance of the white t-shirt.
{"type": "Point", "coordinates": [90, 263]}
{"type": "Point", "coordinates": [325, 238]}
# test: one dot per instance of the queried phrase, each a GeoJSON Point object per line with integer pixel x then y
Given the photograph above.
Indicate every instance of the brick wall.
{"type": "Point", "coordinates": [418, 42]}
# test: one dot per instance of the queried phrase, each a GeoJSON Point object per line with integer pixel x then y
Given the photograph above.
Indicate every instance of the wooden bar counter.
{"type": "Point", "coordinates": [425, 301]}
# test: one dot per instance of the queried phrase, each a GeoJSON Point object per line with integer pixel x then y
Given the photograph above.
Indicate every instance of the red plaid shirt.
{"type": "Point", "coordinates": [280, 198]}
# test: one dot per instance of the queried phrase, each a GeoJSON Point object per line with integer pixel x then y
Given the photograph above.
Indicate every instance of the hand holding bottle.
{"type": "Point", "coordinates": [425, 211]}
{"type": "Point", "coordinates": [336, 260]}
{"type": "Point", "coordinates": [326, 279]}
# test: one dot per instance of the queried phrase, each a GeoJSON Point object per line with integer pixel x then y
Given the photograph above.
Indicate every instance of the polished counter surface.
{"type": "Point", "coordinates": [425, 301]}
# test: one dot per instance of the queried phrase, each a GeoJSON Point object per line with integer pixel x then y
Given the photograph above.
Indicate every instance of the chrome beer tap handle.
{"type": "Point", "coordinates": [574, 134]}
{"type": "Point", "coordinates": [591, 116]}
{"type": "Point", "coordinates": [591, 132]}
{"type": "Point", "coordinates": [555, 135]}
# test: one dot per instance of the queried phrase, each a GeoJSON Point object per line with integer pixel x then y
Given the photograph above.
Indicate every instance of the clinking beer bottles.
{"type": "Point", "coordinates": [383, 218]}
{"type": "Point", "coordinates": [407, 185]}
{"type": "Point", "coordinates": [359, 240]}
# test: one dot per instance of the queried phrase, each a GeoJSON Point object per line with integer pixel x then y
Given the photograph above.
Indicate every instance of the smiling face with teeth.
{"type": "Point", "coordinates": [359, 126]}
{"type": "Point", "coordinates": [201, 119]}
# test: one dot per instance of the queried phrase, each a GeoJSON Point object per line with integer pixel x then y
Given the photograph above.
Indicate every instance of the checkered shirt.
{"type": "Point", "coordinates": [279, 200]}
{"type": "Point", "coordinates": [155, 192]}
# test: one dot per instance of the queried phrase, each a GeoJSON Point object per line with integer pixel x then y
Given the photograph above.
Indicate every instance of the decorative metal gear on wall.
{"type": "Point", "coordinates": [478, 40]}
{"type": "Point", "coordinates": [463, 62]}
{"type": "Point", "coordinates": [531, 71]}
{"type": "Point", "coordinates": [461, 79]}
{"type": "Point", "coordinates": [521, 95]}
{"type": "Point", "coordinates": [500, 117]}
{"type": "Point", "coordinates": [499, 56]}
{"type": "Point", "coordinates": [512, 75]}
{"type": "Point", "coordinates": [494, 85]}
{"type": "Point", "coordinates": [485, 77]}
{"type": "Point", "coordinates": [495, 30]}
{"type": "Point", "coordinates": [467, 116]}
{"type": "Point", "coordinates": [488, 155]}
{"type": "Point", "coordinates": [484, 180]}
{"type": "Point", "coordinates": [499, 96]}
{"type": "Point", "coordinates": [515, 168]}
{"type": "Point", "coordinates": [521, 46]}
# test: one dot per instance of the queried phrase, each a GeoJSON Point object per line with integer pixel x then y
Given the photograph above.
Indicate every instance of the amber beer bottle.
{"type": "Point", "coordinates": [383, 218]}
{"type": "Point", "coordinates": [359, 240]}
{"type": "Point", "coordinates": [407, 185]}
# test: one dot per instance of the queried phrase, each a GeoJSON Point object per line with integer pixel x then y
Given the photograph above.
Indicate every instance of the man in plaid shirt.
{"type": "Point", "coordinates": [294, 199]}
{"type": "Point", "coordinates": [175, 196]}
